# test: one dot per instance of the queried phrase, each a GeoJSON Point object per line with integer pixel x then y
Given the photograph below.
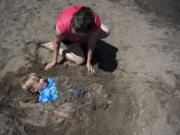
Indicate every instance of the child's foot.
{"type": "Point", "coordinates": [61, 114]}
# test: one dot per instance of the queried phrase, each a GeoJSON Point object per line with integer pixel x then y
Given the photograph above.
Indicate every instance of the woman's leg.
{"type": "Point", "coordinates": [72, 52]}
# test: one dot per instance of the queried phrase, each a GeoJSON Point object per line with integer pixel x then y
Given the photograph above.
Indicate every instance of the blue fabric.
{"type": "Point", "coordinates": [49, 92]}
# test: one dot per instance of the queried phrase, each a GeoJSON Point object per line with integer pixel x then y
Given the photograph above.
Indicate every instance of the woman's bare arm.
{"type": "Point", "coordinates": [56, 46]}
{"type": "Point", "coordinates": [91, 45]}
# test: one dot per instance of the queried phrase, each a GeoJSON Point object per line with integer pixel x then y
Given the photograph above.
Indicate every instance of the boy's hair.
{"type": "Point", "coordinates": [82, 20]}
{"type": "Point", "coordinates": [29, 81]}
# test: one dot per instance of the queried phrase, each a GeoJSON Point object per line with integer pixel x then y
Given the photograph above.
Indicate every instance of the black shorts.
{"type": "Point", "coordinates": [67, 42]}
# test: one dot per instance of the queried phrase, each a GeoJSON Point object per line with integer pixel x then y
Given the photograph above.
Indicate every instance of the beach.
{"type": "Point", "coordinates": [137, 81]}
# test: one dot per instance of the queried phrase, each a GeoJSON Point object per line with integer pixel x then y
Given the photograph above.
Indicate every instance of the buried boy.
{"type": "Point", "coordinates": [76, 25]}
{"type": "Point", "coordinates": [45, 88]}
{"type": "Point", "coordinates": [47, 92]}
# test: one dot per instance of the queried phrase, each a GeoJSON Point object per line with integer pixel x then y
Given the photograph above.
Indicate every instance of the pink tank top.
{"type": "Point", "coordinates": [63, 22]}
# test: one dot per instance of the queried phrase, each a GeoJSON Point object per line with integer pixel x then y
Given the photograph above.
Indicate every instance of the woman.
{"type": "Point", "coordinates": [76, 25]}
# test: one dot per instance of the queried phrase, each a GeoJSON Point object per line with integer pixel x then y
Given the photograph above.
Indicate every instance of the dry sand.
{"type": "Point", "coordinates": [138, 70]}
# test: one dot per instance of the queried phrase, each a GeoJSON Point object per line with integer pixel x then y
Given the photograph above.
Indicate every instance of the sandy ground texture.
{"type": "Point", "coordinates": [137, 70]}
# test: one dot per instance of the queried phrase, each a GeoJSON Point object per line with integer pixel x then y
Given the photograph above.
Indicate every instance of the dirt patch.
{"type": "Point", "coordinates": [168, 10]}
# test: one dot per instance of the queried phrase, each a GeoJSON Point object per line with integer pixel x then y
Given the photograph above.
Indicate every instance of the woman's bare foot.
{"type": "Point", "coordinates": [48, 45]}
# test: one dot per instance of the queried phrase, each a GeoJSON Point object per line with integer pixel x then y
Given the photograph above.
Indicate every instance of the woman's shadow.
{"type": "Point", "coordinates": [105, 56]}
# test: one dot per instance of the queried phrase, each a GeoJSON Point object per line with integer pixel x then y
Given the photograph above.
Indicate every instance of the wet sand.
{"type": "Point", "coordinates": [137, 69]}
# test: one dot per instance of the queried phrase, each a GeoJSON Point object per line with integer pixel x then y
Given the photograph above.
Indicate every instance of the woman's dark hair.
{"type": "Point", "coordinates": [82, 20]}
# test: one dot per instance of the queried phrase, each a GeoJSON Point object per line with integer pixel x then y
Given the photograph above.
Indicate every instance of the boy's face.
{"type": "Point", "coordinates": [39, 84]}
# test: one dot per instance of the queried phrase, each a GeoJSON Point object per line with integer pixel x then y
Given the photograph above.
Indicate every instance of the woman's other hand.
{"type": "Point", "coordinates": [90, 68]}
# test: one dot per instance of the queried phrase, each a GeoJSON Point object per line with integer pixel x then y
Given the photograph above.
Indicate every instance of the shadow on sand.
{"type": "Point", "coordinates": [105, 56]}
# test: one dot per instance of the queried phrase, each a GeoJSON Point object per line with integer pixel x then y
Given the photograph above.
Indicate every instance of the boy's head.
{"type": "Point", "coordinates": [33, 82]}
{"type": "Point", "coordinates": [82, 21]}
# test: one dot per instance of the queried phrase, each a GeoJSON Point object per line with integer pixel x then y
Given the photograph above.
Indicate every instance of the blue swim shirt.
{"type": "Point", "coordinates": [49, 92]}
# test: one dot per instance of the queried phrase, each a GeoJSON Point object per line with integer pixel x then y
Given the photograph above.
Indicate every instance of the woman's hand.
{"type": "Point", "coordinates": [90, 68]}
{"type": "Point", "coordinates": [50, 65]}
{"type": "Point", "coordinates": [91, 45]}
{"type": "Point", "coordinates": [56, 46]}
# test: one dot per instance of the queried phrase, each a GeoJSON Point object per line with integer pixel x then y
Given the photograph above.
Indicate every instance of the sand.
{"type": "Point", "coordinates": [137, 70]}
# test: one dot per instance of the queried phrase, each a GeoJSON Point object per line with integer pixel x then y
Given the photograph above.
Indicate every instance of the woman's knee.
{"type": "Point", "coordinates": [105, 31]}
{"type": "Point", "coordinates": [79, 60]}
